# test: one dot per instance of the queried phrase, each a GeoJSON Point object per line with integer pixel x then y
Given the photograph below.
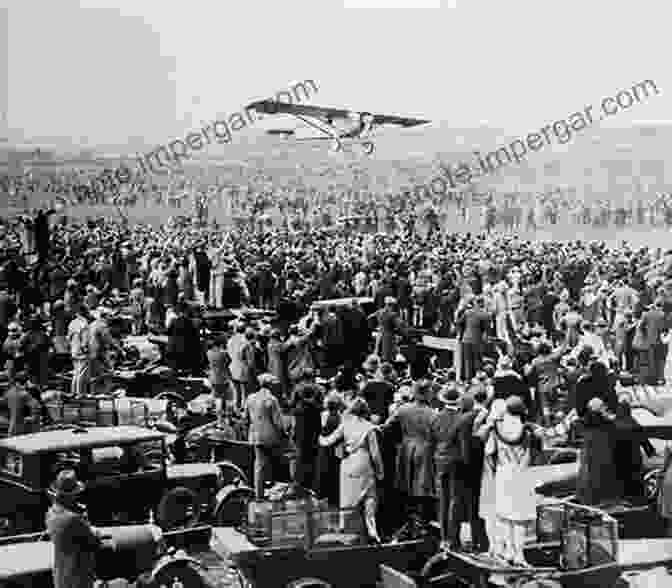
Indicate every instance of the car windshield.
{"type": "Point", "coordinates": [112, 460]}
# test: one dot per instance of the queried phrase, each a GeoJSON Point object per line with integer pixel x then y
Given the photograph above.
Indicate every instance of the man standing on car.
{"type": "Point", "coordinates": [75, 540]}
{"type": "Point", "coordinates": [219, 377]}
{"type": "Point", "coordinates": [266, 432]}
{"type": "Point", "coordinates": [78, 339]}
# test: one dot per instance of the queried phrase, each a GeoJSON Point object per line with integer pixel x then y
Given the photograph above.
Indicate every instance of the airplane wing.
{"type": "Point", "coordinates": [327, 114]}
{"type": "Point", "coordinates": [318, 112]}
{"type": "Point", "coordinates": [283, 132]}
{"type": "Point", "coordinates": [400, 121]}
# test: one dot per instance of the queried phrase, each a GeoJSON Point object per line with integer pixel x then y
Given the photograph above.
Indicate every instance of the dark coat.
{"type": "Point", "coordinates": [184, 347]}
{"type": "Point", "coordinates": [307, 425]}
{"type": "Point", "coordinates": [327, 476]}
{"type": "Point", "coordinates": [379, 395]}
{"type": "Point", "coordinates": [598, 479]}
{"type": "Point", "coordinates": [75, 546]}
{"type": "Point", "coordinates": [447, 449]}
{"type": "Point", "coordinates": [415, 458]}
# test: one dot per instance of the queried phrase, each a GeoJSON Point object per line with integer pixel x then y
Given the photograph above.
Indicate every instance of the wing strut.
{"type": "Point", "coordinates": [316, 126]}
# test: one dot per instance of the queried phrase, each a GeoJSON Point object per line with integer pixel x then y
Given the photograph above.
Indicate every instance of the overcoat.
{"type": "Point", "coordinates": [362, 464]}
{"type": "Point", "coordinates": [75, 545]}
{"type": "Point", "coordinates": [415, 464]}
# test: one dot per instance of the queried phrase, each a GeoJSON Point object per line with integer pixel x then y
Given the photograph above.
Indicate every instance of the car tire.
{"type": "Point", "coordinates": [308, 583]}
{"type": "Point", "coordinates": [231, 509]}
{"type": "Point", "coordinates": [179, 505]}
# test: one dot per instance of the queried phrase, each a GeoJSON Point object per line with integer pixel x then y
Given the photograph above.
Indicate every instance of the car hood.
{"type": "Point", "coordinates": [554, 476]}
{"type": "Point", "coordinates": [22, 560]}
{"type": "Point", "coordinates": [186, 471]}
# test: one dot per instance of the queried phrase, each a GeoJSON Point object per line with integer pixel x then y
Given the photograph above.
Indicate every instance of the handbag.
{"type": "Point", "coordinates": [490, 450]}
{"type": "Point", "coordinates": [639, 340]}
{"type": "Point", "coordinates": [339, 450]}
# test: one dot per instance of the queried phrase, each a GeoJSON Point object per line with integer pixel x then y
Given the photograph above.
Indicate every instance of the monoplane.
{"type": "Point", "coordinates": [343, 128]}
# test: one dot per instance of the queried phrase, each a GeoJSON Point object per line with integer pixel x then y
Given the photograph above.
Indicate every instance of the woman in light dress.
{"type": "Point", "coordinates": [483, 426]}
{"type": "Point", "coordinates": [509, 451]}
{"type": "Point", "coordinates": [362, 464]}
{"type": "Point", "coordinates": [666, 338]}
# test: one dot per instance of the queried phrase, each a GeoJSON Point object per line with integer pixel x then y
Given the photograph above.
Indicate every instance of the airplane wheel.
{"type": "Point", "coordinates": [336, 146]}
{"type": "Point", "coordinates": [368, 147]}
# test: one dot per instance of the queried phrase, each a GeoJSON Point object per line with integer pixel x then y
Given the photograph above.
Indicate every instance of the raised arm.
{"type": "Point", "coordinates": [333, 438]}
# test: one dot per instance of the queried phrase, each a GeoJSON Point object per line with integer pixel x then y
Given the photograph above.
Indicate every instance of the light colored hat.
{"type": "Point", "coordinates": [372, 363]}
{"type": "Point", "coordinates": [448, 395]}
{"type": "Point", "coordinates": [67, 485]}
{"type": "Point", "coordinates": [267, 379]}
{"type": "Point", "coordinates": [596, 404]}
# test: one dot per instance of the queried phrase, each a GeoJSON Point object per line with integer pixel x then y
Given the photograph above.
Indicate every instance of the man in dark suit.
{"type": "Point", "coordinates": [472, 405]}
{"type": "Point", "coordinates": [184, 350]}
{"type": "Point", "coordinates": [357, 335]}
{"type": "Point", "coordinates": [653, 324]}
{"type": "Point", "coordinates": [448, 456]}
{"type": "Point", "coordinates": [75, 540]}
{"type": "Point", "coordinates": [473, 323]}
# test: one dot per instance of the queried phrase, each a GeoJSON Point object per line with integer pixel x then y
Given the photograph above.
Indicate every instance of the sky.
{"type": "Point", "coordinates": [109, 72]}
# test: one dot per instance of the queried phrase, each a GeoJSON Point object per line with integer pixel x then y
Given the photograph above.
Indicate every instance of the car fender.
{"type": "Point", "coordinates": [228, 493]}
{"type": "Point", "coordinates": [163, 512]}
{"type": "Point", "coordinates": [230, 471]}
{"type": "Point", "coordinates": [309, 583]}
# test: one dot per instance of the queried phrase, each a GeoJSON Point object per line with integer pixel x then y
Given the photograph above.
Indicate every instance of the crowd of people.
{"type": "Point", "coordinates": [299, 204]}
{"type": "Point", "coordinates": [539, 330]}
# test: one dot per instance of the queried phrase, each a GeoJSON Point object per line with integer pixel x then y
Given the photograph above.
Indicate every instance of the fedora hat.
{"type": "Point", "coordinates": [67, 485]}
{"type": "Point", "coordinates": [448, 395]}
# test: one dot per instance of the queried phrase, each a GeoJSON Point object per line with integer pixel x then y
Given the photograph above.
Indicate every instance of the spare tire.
{"type": "Point", "coordinates": [178, 508]}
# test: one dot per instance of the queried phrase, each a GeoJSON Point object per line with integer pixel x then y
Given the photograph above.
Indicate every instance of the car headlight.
{"type": "Point", "coordinates": [157, 536]}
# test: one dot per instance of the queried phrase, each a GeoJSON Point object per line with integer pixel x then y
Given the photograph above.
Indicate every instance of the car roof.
{"type": "Point", "coordinates": [78, 438]}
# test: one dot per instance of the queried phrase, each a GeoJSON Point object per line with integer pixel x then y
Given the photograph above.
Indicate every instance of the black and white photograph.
{"type": "Point", "coordinates": [335, 294]}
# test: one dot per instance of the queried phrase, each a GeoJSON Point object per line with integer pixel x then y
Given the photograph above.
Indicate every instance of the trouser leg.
{"type": "Point", "coordinates": [80, 378]}
{"type": "Point", "coordinates": [479, 537]}
{"type": "Point", "coordinates": [262, 464]}
{"type": "Point", "coordinates": [518, 533]}
{"type": "Point", "coordinates": [454, 520]}
{"type": "Point", "coordinates": [370, 518]}
{"type": "Point", "coordinates": [444, 502]}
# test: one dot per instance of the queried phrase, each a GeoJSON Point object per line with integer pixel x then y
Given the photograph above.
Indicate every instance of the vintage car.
{"type": "Point", "coordinates": [127, 476]}
{"type": "Point", "coordinates": [143, 554]}
{"type": "Point", "coordinates": [637, 515]}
